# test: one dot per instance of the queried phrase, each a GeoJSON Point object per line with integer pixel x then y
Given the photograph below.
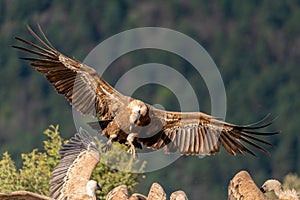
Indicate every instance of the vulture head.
{"type": "Point", "coordinates": [91, 188]}
{"type": "Point", "coordinates": [138, 112]}
{"type": "Point", "coordinates": [274, 185]}
{"type": "Point", "coordinates": [271, 185]}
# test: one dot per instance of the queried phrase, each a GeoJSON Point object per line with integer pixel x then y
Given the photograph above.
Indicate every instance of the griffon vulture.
{"type": "Point", "coordinates": [71, 177]}
{"type": "Point", "coordinates": [242, 187]}
{"type": "Point", "coordinates": [275, 185]}
{"type": "Point", "coordinates": [133, 122]}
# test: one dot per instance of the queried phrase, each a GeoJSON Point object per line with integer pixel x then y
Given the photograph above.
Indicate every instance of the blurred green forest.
{"type": "Point", "coordinates": [255, 44]}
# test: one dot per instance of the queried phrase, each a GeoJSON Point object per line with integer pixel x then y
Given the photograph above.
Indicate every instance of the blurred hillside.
{"type": "Point", "coordinates": [255, 44]}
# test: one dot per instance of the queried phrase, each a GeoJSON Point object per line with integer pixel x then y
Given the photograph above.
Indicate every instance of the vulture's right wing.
{"type": "Point", "coordinates": [197, 133]}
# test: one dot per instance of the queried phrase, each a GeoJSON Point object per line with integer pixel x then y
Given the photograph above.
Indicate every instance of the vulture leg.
{"type": "Point", "coordinates": [108, 144]}
{"type": "Point", "coordinates": [111, 131]}
{"type": "Point", "coordinates": [130, 138]}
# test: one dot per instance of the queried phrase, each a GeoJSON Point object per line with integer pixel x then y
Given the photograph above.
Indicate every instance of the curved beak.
{"type": "Point", "coordinates": [131, 126]}
{"type": "Point", "coordinates": [133, 119]}
{"type": "Point", "coordinates": [99, 187]}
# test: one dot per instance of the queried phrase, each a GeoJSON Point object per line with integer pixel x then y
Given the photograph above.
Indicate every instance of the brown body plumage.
{"type": "Point", "coordinates": [118, 193]}
{"type": "Point", "coordinates": [127, 120]}
{"type": "Point", "coordinates": [178, 195]}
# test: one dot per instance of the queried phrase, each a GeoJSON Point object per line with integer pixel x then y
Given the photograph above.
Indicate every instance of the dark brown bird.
{"type": "Point", "coordinates": [133, 122]}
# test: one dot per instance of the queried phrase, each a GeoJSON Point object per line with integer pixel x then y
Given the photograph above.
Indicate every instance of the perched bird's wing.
{"type": "Point", "coordinates": [243, 187]}
{"type": "Point", "coordinates": [156, 193]}
{"type": "Point", "coordinates": [178, 195]}
{"type": "Point", "coordinates": [196, 133]}
{"type": "Point", "coordinates": [118, 193]}
{"type": "Point", "coordinates": [21, 195]}
{"type": "Point", "coordinates": [137, 196]}
{"type": "Point", "coordinates": [80, 84]}
{"type": "Point", "coordinates": [78, 160]}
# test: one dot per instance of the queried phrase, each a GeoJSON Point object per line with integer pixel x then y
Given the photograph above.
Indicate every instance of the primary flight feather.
{"type": "Point", "coordinates": [127, 120]}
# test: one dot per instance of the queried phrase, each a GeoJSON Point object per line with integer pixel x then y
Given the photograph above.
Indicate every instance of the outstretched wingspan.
{"type": "Point", "coordinates": [133, 122]}
{"type": "Point", "coordinates": [242, 186]}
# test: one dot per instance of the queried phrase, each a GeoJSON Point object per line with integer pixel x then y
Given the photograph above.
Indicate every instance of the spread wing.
{"type": "Point", "coordinates": [78, 160]}
{"type": "Point", "coordinates": [80, 84]}
{"type": "Point", "coordinates": [196, 133]}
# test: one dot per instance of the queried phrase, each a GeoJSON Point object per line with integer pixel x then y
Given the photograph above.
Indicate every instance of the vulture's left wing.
{"type": "Point", "coordinates": [80, 84]}
{"type": "Point", "coordinates": [78, 160]}
{"type": "Point", "coordinates": [196, 133]}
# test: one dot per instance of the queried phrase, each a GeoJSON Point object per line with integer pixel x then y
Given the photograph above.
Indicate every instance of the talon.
{"type": "Point", "coordinates": [130, 139]}
{"type": "Point", "coordinates": [132, 151]}
{"type": "Point", "coordinates": [107, 146]}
